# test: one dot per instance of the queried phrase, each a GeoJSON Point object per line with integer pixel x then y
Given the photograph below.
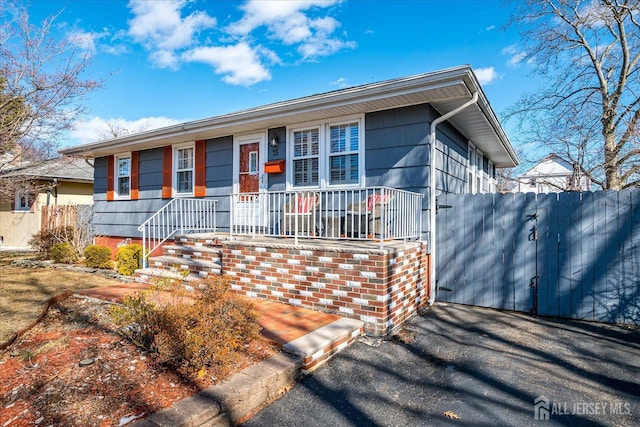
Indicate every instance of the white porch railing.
{"type": "Point", "coordinates": [372, 213]}
{"type": "Point", "coordinates": [179, 215]}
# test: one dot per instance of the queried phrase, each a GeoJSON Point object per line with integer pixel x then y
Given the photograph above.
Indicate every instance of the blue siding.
{"type": "Point", "coordinates": [122, 217]}
{"type": "Point", "coordinates": [397, 155]}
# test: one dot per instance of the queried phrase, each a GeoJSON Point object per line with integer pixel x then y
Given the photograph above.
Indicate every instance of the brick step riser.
{"type": "Point", "coordinates": [212, 258]}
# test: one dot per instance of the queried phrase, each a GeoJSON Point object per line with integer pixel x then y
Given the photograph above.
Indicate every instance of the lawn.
{"type": "Point", "coordinates": [23, 291]}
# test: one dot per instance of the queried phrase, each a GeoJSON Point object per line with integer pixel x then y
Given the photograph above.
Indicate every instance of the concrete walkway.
{"type": "Point", "coordinates": [484, 366]}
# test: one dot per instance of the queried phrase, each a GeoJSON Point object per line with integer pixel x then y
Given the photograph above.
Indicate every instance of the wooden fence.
{"type": "Point", "coordinates": [571, 255]}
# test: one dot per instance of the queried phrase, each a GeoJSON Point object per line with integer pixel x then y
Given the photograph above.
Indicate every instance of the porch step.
{"type": "Point", "coordinates": [192, 252]}
{"type": "Point", "coordinates": [177, 263]}
{"type": "Point", "coordinates": [318, 346]}
{"type": "Point", "coordinates": [147, 275]}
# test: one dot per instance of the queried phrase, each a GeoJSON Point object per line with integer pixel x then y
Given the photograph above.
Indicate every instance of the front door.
{"type": "Point", "coordinates": [248, 183]}
{"type": "Point", "coordinates": [249, 173]}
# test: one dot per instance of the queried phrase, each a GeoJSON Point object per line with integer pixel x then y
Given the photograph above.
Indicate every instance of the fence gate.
{"type": "Point", "coordinates": [572, 255]}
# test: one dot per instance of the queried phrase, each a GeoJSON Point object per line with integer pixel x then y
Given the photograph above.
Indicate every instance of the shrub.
{"type": "Point", "coordinates": [64, 253]}
{"type": "Point", "coordinates": [43, 241]}
{"type": "Point", "coordinates": [96, 256]}
{"type": "Point", "coordinates": [191, 336]}
{"type": "Point", "coordinates": [129, 258]}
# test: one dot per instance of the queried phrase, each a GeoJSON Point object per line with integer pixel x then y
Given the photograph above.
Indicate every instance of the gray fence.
{"type": "Point", "coordinates": [572, 255]}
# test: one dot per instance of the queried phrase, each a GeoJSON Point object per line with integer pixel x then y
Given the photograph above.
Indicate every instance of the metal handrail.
{"type": "Point", "coordinates": [181, 214]}
{"type": "Point", "coordinates": [362, 213]}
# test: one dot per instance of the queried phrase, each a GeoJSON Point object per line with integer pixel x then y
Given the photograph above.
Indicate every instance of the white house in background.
{"type": "Point", "coordinates": [553, 174]}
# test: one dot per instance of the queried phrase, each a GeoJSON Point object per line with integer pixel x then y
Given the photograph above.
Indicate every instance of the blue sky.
{"type": "Point", "coordinates": [172, 61]}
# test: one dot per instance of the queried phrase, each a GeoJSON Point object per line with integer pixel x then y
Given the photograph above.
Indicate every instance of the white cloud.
{"type": "Point", "coordinates": [240, 64]}
{"type": "Point", "coordinates": [98, 128]}
{"type": "Point", "coordinates": [293, 22]}
{"type": "Point", "coordinates": [486, 75]}
{"type": "Point", "coordinates": [172, 36]}
{"type": "Point", "coordinates": [515, 55]}
{"type": "Point", "coordinates": [490, 28]}
{"type": "Point", "coordinates": [160, 27]}
{"type": "Point", "coordinates": [340, 82]}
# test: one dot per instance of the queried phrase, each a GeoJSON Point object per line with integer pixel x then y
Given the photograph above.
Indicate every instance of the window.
{"type": "Point", "coordinates": [343, 154]}
{"type": "Point", "coordinates": [184, 170]}
{"type": "Point", "coordinates": [328, 154]}
{"type": "Point", "coordinates": [22, 202]}
{"type": "Point", "coordinates": [306, 157]}
{"type": "Point", "coordinates": [479, 171]}
{"type": "Point", "coordinates": [123, 175]}
{"type": "Point", "coordinates": [471, 168]}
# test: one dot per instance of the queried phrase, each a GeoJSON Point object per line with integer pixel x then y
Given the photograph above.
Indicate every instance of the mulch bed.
{"type": "Point", "coordinates": [42, 381]}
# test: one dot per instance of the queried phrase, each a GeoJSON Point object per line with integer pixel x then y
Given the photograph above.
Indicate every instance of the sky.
{"type": "Point", "coordinates": [170, 61]}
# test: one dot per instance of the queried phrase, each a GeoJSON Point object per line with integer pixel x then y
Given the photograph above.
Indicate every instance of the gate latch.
{"type": "Point", "coordinates": [533, 283]}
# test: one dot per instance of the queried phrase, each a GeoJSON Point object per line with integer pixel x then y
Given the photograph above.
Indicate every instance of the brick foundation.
{"type": "Point", "coordinates": [383, 288]}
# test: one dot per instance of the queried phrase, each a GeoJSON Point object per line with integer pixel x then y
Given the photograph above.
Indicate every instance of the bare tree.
{"type": "Point", "coordinates": [41, 85]}
{"type": "Point", "coordinates": [587, 110]}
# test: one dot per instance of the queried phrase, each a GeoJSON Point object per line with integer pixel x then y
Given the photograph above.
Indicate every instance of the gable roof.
{"type": "Point", "coordinates": [63, 168]}
{"type": "Point", "coordinates": [552, 165]}
{"type": "Point", "coordinates": [444, 90]}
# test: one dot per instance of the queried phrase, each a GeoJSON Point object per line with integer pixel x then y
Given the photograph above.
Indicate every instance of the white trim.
{"type": "Point", "coordinates": [471, 168]}
{"type": "Point", "coordinates": [116, 193]}
{"type": "Point", "coordinates": [174, 169]}
{"type": "Point", "coordinates": [324, 151]}
{"type": "Point", "coordinates": [18, 206]}
{"type": "Point", "coordinates": [238, 140]}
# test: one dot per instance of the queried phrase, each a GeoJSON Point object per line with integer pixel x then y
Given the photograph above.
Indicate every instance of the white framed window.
{"type": "Point", "coordinates": [306, 157]}
{"type": "Point", "coordinates": [471, 168]}
{"type": "Point", "coordinates": [122, 175]}
{"type": "Point", "coordinates": [344, 157]}
{"type": "Point", "coordinates": [492, 177]}
{"type": "Point", "coordinates": [329, 154]}
{"type": "Point", "coordinates": [22, 202]}
{"type": "Point", "coordinates": [479, 171]}
{"type": "Point", "coordinates": [183, 170]}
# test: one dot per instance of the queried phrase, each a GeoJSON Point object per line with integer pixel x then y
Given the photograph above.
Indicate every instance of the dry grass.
{"type": "Point", "coordinates": [23, 291]}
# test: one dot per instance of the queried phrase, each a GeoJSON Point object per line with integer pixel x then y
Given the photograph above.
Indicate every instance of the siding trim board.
{"type": "Point", "coordinates": [167, 172]}
{"type": "Point", "coordinates": [200, 179]}
{"type": "Point", "coordinates": [135, 175]}
{"type": "Point", "coordinates": [110, 177]}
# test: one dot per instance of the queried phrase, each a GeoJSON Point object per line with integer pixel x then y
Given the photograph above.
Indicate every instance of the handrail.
{"type": "Point", "coordinates": [180, 214]}
{"type": "Point", "coordinates": [358, 213]}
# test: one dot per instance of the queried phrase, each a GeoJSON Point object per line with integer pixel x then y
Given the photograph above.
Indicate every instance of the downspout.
{"type": "Point", "coordinates": [432, 193]}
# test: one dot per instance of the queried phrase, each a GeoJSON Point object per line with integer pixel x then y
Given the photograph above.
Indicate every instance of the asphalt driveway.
{"type": "Point", "coordinates": [484, 366]}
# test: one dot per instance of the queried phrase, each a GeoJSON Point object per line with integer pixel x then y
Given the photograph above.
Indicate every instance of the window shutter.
{"type": "Point", "coordinates": [110, 172]}
{"type": "Point", "coordinates": [167, 172]}
{"type": "Point", "coordinates": [200, 187]}
{"type": "Point", "coordinates": [135, 174]}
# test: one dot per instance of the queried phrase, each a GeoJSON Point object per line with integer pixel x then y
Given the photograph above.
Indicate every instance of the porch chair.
{"type": "Point", "coordinates": [303, 211]}
{"type": "Point", "coordinates": [362, 220]}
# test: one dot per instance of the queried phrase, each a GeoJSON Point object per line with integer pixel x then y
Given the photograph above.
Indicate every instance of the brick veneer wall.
{"type": "Point", "coordinates": [383, 288]}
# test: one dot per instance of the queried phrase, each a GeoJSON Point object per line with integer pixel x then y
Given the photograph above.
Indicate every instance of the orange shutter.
{"type": "Point", "coordinates": [110, 172]}
{"type": "Point", "coordinates": [135, 174]}
{"type": "Point", "coordinates": [200, 187]}
{"type": "Point", "coordinates": [167, 169]}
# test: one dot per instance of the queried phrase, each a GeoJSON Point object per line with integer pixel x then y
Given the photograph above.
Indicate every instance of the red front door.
{"type": "Point", "coordinates": [249, 178]}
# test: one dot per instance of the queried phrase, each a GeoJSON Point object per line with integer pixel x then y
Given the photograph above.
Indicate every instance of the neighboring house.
{"type": "Point", "coordinates": [553, 174]}
{"type": "Point", "coordinates": [349, 165]}
{"type": "Point", "coordinates": [40, 187]}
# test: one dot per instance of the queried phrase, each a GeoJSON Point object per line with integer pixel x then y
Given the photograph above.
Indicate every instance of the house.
{"type": "Point", "coordinates": [553, 174]}
{"type": "Point", "coordinates": [323, 201]}
{"type": "Point", "coordinates": [39, 193]}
